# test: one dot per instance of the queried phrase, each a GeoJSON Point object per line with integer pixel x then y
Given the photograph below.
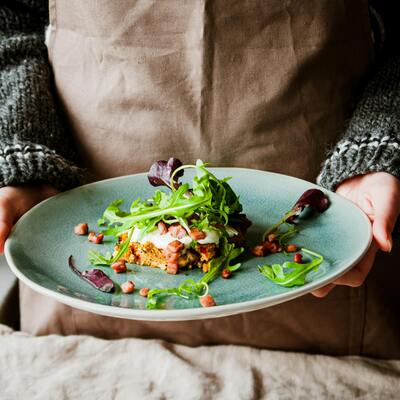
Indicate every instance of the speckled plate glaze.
{"type": "Point", "coordinates": [39, 246]}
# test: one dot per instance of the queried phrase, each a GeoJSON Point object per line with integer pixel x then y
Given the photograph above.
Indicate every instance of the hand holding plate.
{"type": "Point", "coordinates": [16, 201]}
{"type": "Point", "coordinates": [378, 195]}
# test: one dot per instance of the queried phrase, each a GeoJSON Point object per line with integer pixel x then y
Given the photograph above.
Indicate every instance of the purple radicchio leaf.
{"type": "Point", "coordinates": [161, 171]}
{"type": "Point", "coordinates": [96, 277]}
{"type": "Point", "coordinates": [313, 200]}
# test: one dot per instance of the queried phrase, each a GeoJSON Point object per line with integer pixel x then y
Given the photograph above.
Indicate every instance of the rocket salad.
{"type": "Point", "coordinates": [200, 224]}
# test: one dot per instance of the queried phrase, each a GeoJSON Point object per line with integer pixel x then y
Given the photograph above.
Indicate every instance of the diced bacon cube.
{"type": "Point", "coordinates": [275, 248]}
{"type": "Point", "coordinates": [177, 231]}
{"type": "Point", "coordinates": [81, 229]}
{"type": "Point", "coordinates": [96, 239]}
{"type": "Point", "coordinates": [119, 266]}
{"type": "Point", "coordinates": [144, 291]}
{"type": "Point", "coordinates": [162, 228]}
{"type": "Point", "coordinates": [298, 258]}
{"type": "Point", "coordinates": [226, 273]}
{"type": "Point", "coordinates": [197, 234]}
{"type": "Point", "coordinates": [128, 287]}
{"type": "Point", "coordinates": [175, 247]}
{"type": "Point", "coordinates": [291, 248]}
{"type": "Point", "coordinates": [258, 251]}
{"type": "Point", "coordinates": [207, 301]}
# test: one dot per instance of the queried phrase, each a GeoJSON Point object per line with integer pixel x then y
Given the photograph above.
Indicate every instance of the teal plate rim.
{"type": "Point", "coordinates": [190, 313]}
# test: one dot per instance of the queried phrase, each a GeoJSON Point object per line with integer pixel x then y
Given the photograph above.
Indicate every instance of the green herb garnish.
{"type": "Point", "coordinates": [95, 258]}
{"type": "Point", "coordinates": [291, 273]}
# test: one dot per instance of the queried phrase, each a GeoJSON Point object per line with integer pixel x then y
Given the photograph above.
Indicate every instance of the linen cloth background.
{"type": "Point", "coordinates": [83, 367]}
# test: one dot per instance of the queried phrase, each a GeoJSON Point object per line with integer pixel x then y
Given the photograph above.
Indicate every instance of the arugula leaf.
{"type": "Point", "coordinates": [96, 258]}
{"type": "Point", "coordinates": [187, 289]}
{"type": "Point", "coordinates": [291, 273]}
{"type": "Point", "coordinates": [155, 297]}
{"type": "Point", "coordinates": [113, 213]}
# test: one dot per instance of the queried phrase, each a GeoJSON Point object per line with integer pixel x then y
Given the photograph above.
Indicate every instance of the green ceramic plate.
{"type": "Point", "coordinates": [42, 240]}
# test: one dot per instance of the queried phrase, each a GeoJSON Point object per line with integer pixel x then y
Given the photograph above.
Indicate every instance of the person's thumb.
{"type": "Point", "coordinates": [385, 216]}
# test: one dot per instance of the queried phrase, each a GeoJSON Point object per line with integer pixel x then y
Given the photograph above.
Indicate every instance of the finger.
{"type": "Point", "coordinates": [386, 209]}
{"type": "Point", "coordinates": [356, 276]}
{"type": "Point", "coordinates": [7, 217]}
{"type": "Point", "coordinates": [8, 213]}
{"type": "Point", "coordinates": [5, 230]}
{"type": "Point", "coordinates": [382, 234]}
{"type": "Point", "coordinates": [322, 292]}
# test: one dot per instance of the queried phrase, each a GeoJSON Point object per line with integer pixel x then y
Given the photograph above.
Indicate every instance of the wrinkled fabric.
{"type": "Point", "coordinates": [79, 367]}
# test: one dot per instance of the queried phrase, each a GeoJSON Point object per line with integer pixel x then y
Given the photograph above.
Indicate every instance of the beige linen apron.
{"type": "Point", "coordinates": [264, 84]}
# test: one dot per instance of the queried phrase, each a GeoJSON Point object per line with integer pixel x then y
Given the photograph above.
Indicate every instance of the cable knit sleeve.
{"type": "Point", "coordinates": [371, 142]}
{"type": "Point", "coordinates": [34, 146]}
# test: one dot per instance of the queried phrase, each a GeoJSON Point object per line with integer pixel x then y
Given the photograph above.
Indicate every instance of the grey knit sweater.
{"type": "Point", "coordinates": [34, 146]}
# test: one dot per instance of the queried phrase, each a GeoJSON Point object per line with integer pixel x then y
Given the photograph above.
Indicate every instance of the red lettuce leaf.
{"type": "Point", "coordinates": [161, 171]}
{"type": "Point", "coordinates": [96, 277]}
{"type": "Point", "coordinates": [313, 200]}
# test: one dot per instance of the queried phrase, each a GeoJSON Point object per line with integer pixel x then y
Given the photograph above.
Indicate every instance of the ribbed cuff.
{"type": "Point", "coordinates": [374, 153]}
{"type": "Point", "coordinates": [31, 163]}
